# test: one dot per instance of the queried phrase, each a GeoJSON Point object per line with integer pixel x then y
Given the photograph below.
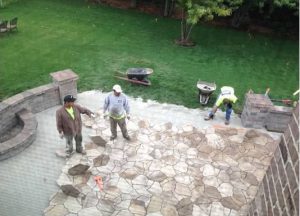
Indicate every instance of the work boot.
{"type": "Point", "coordinates": [127, 138]}
{"type": "Point", "coordinates": [69, 154]}
{"type": "Point", "coordinates": [226, 122]}
{"type": "Point", "coordinates": [209, 117]}
{"type": "Point", "coordinates": [83, 152]}
{"type": "Point", "coordinates": [112, 137]}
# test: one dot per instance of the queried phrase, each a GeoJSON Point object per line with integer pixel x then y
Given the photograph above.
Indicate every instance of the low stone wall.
{"type": "Point", "coordinates": [35, 100]}
{"type": "Point", "coordinates": [18, 143]}
{"type": "Point", "coordinates": [279, 192]}
{"type": "Point", "coordinates": [259, 112]}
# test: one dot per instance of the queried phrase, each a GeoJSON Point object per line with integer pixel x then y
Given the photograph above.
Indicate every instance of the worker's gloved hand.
{"type": "Point", "coordinates": [61, 135]}
{"type": "Point", "coordinates": [128, 117]}
{"type": "Point", "coordinates": [105, 115]}
{"type": "Point", "coordinates": [92, 115]}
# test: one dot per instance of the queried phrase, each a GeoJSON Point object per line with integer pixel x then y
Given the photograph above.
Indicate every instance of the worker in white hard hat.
{"type": "Point", "coordinates": [227, 98]}
{"type": "Point", "coordinates": [116, 106]}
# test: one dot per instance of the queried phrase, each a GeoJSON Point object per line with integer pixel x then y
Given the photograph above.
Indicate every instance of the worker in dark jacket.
{"type": "Point", "coordinates": [69, 124]}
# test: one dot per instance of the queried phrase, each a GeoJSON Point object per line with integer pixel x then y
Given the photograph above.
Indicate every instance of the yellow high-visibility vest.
{"type": "Point", "coordinates": [71, 112]}
{"type": "Point", "coordinates": [227, 93]}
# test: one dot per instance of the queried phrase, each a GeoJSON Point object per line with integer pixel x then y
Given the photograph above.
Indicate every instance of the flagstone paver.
{"type": "Point", "coordinates": [166, 170]}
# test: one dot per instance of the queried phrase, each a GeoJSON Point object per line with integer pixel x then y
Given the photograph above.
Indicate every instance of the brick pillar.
{"type": "Point", "coordinates": [278, 193]}
{"type": "Point", "coordinates": [66, 81]}
{"type": "Point", "coordinates": [256, 110]}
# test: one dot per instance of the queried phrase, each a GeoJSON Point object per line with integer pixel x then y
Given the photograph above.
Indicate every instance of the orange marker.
{"type": "Point", "coordinates": [99, 182]}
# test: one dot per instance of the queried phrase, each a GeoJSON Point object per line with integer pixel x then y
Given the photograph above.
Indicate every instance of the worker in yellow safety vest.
{"type": "Point", "coordinates": [227, 98]}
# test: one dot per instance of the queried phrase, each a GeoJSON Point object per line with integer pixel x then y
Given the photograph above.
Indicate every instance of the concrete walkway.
{"type": "Point", "coordinates": [28, 180]}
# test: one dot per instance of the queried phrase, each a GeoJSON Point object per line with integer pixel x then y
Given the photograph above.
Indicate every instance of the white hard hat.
{"type": "Point", "coordinates": [117, 88]}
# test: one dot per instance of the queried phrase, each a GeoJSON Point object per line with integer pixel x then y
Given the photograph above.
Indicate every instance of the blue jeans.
{"type": "Point", "coordinates": [228, 112]}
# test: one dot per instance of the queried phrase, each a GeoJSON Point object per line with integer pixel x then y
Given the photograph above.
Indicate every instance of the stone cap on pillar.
{"type": "Point", "coordinates": [63, 76]}
{"type": "Point", "coordinates": [259, 100]}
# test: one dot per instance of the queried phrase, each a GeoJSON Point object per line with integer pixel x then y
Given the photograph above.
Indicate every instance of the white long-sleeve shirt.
{"type": "Point", "coordinates": [117, 106]}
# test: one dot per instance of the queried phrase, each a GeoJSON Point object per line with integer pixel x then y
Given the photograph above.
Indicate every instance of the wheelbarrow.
{"type": "Point", "coordinates": [136, 75]}
{"type": "Point", "coordinates": [205, 90]}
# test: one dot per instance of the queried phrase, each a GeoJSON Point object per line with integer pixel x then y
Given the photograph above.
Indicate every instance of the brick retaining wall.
{"type": "Point", "coordinates": [36, 100]}
{"type": "Point", "coordinates": [278, 194]}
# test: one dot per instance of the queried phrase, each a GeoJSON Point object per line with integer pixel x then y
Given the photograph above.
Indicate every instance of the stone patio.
{"type": "Point", "coordinates": [166, 170]}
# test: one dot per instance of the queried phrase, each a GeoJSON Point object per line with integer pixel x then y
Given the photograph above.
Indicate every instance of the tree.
{"type": "Point", "coordinates": [193, 11]}
{"type": "Point", "coordinates": [241, 17]}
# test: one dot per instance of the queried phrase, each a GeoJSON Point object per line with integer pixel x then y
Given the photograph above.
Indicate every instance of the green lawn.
{"type": "Point", "coordinates": [96, 41]}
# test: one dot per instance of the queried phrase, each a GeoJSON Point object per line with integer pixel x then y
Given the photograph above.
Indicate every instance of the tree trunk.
{"type": "Point", "coordinates": [166, 9]}
{"type": "Point", "coordinates": [241, 17]}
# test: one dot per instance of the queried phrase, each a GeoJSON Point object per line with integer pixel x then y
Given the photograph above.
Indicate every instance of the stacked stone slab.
{"type": "Point", "coordinates": [259, 112]}
{"type": "Point", "coordinates": [35, 100]}
{"type": "Point", "coordinates": [279, 192]}
{"type": "Point", "coordinates": [278, 118]}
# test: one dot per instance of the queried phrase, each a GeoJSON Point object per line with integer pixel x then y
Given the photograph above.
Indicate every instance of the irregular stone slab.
{"type": "Point", "coordinates": [111, 193]}
{"type": "Point", "coordinates": [155, 188]}
{"type": "Point", "coordinates": [70, 190]}
{"type": "Point", "coordinates": [168, 171]}
{"type": "Point", "coordinates": [230, 203]}
{"type": "Point", "coordinates": [237, 138]}
{"type": "Point", "coordinates": [63, 180]}
{"type": "Point", "coordinates": [215, 141]}
{"type": "Point", "coordinates": [187, 128]}
{"type": "Point", "coordinates": [211, 181]}
{"type": "Point", "coordinates": [125, 186]}
{"type": "Point", "coordinates": [72, 205]}
{"type": "Point", "coordinates": [106, 207]}
{"type": "Point", "coordinates": [143, 124]}
{"type": "Point", "coordinates": [78, 169]}
{"type": "Point", "coordinates": [137, 207]}
{"type": "Point", "coordinates": [169, 159]}
{"type": "Point", "coordinates": [226, 132]}
{"type": "Point", "coordinates": [183, 179]}
{"type": "Point", "coordinates": [61, 153]}
{"type": "Point", "coordinates": [182, 189]}
{"type": "Point", "coordinates": [155, 214]}
{"type": "Point", "coordinates": [90, 146]}
{"type": "Point", "coordinates": [92, 153]}
{"type": "Point", "coordinates": [122, 213]}
{"type": "Point", "coordinates": [212, 192]}
{"type": "Point", "coordinates": [140, 180]}
{"type": "Point", "coordinates": [199, 211]}
{"type": "Point", "coordinates": [251, 179]}
{"type": "Point", "coordinates": [90, 200]}
{"type": "Point", "coordinates": [209, 170]}
{"type": "Point", "coordinates": [157, 176]}
{"type": "Point", "coordinates": [58, 199]}
{"type": "Point", "coordinates": [130, 173]}
{"type": "Point", "coordinates": [154, 205]}
{"type": "Point", "coordinates": [185, 207]}
{"type": "Point", "coordinates": [251, 134]}
{"type": "Point", "coordinates": [131, 126]}
{"type": "Point", "coordinates": [225, 189]}
{"type": "Point", "coordinates": [93, 211]}
{"type": "Point", "coordinates": [248, 167]}
{"type": "Point", "coordinates": [156, 154]}
{"type": "Point", "coordinates": [101, 160]}
{"type": "Point", "coordinates": [169, 210]}
{"type": "Point", "coordinates": [56, 210]}
{"type": "Point", "coordinates": [181, 167]}
{"type": "Point", "coordinates": [98, 140]}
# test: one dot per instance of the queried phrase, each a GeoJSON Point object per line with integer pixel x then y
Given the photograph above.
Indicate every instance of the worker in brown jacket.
{"type": "Point", "coordinates": [69, 124]}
